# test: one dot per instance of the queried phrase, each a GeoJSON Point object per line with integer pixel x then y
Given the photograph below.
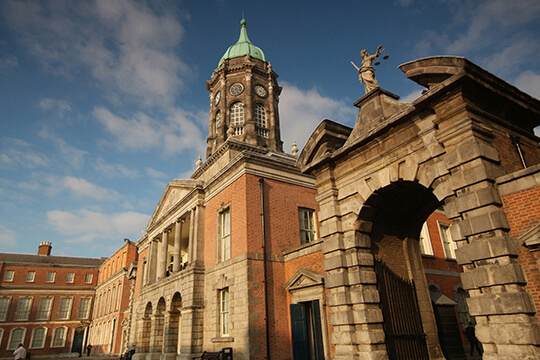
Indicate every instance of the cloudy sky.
{"type": "Point", "coordinates": [102, 103]}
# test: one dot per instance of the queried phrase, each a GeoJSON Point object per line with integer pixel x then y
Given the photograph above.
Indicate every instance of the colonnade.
{"type": "Point", "coordinates": [159, 258]}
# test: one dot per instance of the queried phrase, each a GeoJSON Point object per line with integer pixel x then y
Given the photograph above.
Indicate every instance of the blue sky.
{"type": "Point", "coordinates": [102, 103]}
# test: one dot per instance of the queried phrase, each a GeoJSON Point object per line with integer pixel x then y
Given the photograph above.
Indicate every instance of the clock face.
{"type": "Point", "coordinates": [261, 91]}
{"type": "Point", "coordinates": [217, 98]}
{"type": "Point", "coordinates": [236, 89]}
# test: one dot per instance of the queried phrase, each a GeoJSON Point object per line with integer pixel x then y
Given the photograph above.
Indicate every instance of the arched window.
{"type": "Point", "coordinates": [17, 337]}
{"type": "Point", "coordinates": [460, 295]}
{"type": "Point", "coordinates": [260, 115]}
{"type": "Point", "coordinates": [218, 119]}
{"type": "Point", "coordinates": [237, 114]}
{"type": "Point", "coordinates": [59, 337]}
{"type": "Point", "coordinates": [38, 338]}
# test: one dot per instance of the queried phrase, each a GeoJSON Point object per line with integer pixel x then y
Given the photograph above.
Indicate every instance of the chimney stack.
{"type": "Point", "coordinates": [45, 248]}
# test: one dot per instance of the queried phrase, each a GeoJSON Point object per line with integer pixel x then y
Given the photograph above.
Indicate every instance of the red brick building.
{"type": "Point", "coordinates": [112, 311]}
{"type": "Point", "coordinates": [45, 301]}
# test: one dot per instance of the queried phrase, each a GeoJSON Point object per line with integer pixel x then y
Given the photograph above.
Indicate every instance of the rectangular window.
{"type": "Point", "coordinates": [38, 338]}
{"type": "Point", "coordinates": [84, 308]}
{"type": "Point", "coordinates": [224, 312]}
{"type": "Point", "coordinates": [30, 276]}
{"type": "Point", "coordinates": [65, 309]}
{"type": "Point", "coordinates": [59, 337]}
{"type": "Point", "coordinates": [88, 278]}
{"type": "Point", "coordinates": [9, 275]}
{"type": "Point", "coordinates": [225, 235]}
{"type": "Point", "coordinates": [44, 311]}
{"type": "Point", "coordinates": [448, 245]}
{"type": "Point", "coordinates": [17, 337]}
{"type": "Point", "coordinates": [51, 275]}
{"type": "Point", "coordinates": [70, 277]}
{"type": "Point", "coordinates": [306, 218]}
{"type": "Point", "coordinates": [425, 241]}
{"type": "Point", "coordinates": [4, 307]}
{"type": "Point", "coordinates": [23, 309]}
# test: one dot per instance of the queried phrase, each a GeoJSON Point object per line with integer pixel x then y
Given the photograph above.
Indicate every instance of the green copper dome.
{"type": "Point", "coordinates": [243, 47]}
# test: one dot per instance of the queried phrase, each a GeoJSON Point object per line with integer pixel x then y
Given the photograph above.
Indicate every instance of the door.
{"type": "Point", "coordinates": [306, 331]}
{"type": "Point", "coordinates": [78, 340]}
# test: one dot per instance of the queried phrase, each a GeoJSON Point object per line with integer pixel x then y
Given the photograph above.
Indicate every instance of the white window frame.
{"type": "Point", "coordinates": [224, 312]}
{"type": "Point", "coordinates": [425, 241]}
{"type": "Point", "coordinates": [51, 277]}
{"type": "Point", "coordinates": [88, 278]}
{"type": "Point", "coordinates": [54, 337]}
{"type": "Point", "coordinates": [42, 313]}
{"type": "Point", "coordinates": [70, 278]}
{"type": "Point", "coordinates": [67, 311]}
{"type": "Point", "coordinates": [22, 314]}
{"type": "Point", "coordinates": [308, 231]}
{"type": "Point", "coordinates": [1, 336]}
{"type": "Point", "coordinates": [218, 119]}
{"type": "Point", "coordinates": [260, 116]}
{"type": "Point", "coordinates": [84, 307]}
{"type": "Point", "coordinates": [4, 310]}
{"type": "Point", "coordinates": [13, 343]}
{"type": "Point", "coordinates": [224, 233]}
{"type": "Point", "coordinates": [30, 276]}
{"type": "Point", "coordinates": [42, 344]}
{"type": "Point", "coordinates": [9, 275]}
{"type": "Point", "coordinates": [449, 246]}
{"type": "Point", "coordinates": [237, 115]}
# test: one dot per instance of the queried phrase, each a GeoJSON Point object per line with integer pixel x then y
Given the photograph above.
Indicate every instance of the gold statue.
{"type": "Point", "coordinates": [366, 73]}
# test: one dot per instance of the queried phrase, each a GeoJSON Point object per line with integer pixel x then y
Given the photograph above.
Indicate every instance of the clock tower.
{"type": "Point", "coordinates": [244, 96]}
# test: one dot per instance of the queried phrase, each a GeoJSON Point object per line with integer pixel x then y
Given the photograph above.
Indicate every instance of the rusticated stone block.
{"type": "Point", "coordinates": [477, 198]}
{"type": "Point", "coordinates": [362, 277]}
{"type": "Point", "coordinates": [529, 333]}
{"type": "Point", "coordinates": [336, 278]}
{"type": "Point", "coordinates": [477, 224]}
{"type": "Point", "coordinates": [486, 249]}
{"type": "Point", "coordinates": [502, 303]}
{"type": "Point", "coordinates": [493, 275]}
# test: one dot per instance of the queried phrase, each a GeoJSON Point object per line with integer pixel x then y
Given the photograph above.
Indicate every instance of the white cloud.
{"type": "Point", "coordinates": [87, 226]}
{"type": "Point", "coordinates": [60, 106]}
{"type": "Point", "coordinates": [123, 44]}
{"type": "Point", "coordinates": [80, 188]}
{"type": "Point", "coordinates": [172, 135]}
{"type": "Point", "coordinates": [16, 153]}
{"type": "Point", "coordinates": [412, 96]}
{"type": "Point", "coordinates": [114, 170]}
{"type": "Point", "coordinates": [71, 154]}
{"type": "Point", "coordinates": [529, 82]}
{"type": "Point", "coordinates": [8, 237]}
{"type": "Point", "coordinates": [156, 174]}
{"type": "Point", "coordinates": [302, 110]}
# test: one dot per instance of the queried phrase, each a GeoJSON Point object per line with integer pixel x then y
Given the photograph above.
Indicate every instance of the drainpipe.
{"type": "Point", "coordinates": [261, 182]}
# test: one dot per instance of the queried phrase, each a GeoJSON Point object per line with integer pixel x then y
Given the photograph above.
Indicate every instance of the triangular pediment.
{"type": "Point", "coordinates": [531, 238]}
{"type": "Point", "coordinates": [174, 192]}
{"type": "Point", "coordinates": [304, 278]}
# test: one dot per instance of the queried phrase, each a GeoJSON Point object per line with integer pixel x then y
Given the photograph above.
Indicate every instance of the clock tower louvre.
{"type": "Point", "coordinates": [244, 97]}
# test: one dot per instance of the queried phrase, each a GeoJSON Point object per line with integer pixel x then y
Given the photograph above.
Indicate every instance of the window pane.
{"type": "Point", "coordinates": [425, 241]}
{"type": "Point", "coordinates": [237, 114]}
{"type": "Point", "coordinates": [64, 310]}
{"type": "Point", "coordinates": [30, 276]}
{"type": "Point", "coordinates": [307, 225]}
{"type": "Point", "coordinates": [260, 115]}
{"type": "Point", "coordinates": [70, 278]}
{"type": "Point", "coordinates": [51, 275]}
{"type": "Point", "coordinates": [448, 244]}
{"type": "Point", "coordinates": [9, 276]}
{"type": "Point", "coordinates": [58, 340]}
{"type": "Point", "coordinates": [16, 338]}
{"type": "Point", "coordinates": [38, 338]}
{"type": "Point", "coordinates": [4, 306]}
{"type": "Point", "coordinates": [88, 279]}
{"type": "Point", "coordinates": [44, 309]}
{"type": "Point", "coordinates": [225, 235]}
{"type": "Point", "coordinates": [84, 307]}
{"type": "Point", "coordinates": [23, 310]}
{"type": "Point", "coordinates": [224, 311]}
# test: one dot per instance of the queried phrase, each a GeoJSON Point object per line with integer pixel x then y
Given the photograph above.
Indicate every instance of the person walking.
{"type": "Point", "coordinates": [20, 352]}
{"type": "Point", "coordinates": [88, 350]}
{"type": "Point", "coordinates": [471, 336]}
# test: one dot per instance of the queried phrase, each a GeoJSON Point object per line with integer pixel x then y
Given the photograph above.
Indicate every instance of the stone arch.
{"type": "Point", "coordinates": [158, 324]}
{"type": "Point", "coordinates": [391, 220]}
{"type": "Point", "coordinates": [146, 328]}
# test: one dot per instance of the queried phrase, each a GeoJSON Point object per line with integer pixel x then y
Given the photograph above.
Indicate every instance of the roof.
{"type": "Point", "coordinates": [50, 260]}
{"type": "Point", "coordinates": [243, 47]}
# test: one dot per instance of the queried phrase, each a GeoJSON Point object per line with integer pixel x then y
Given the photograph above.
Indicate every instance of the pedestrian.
{"type": "Point", "coordinates": [471, 336]}
{"type": "Point", "coordinates": [88, 350]}
{"type": "Point", "coordinates": [20, 352]}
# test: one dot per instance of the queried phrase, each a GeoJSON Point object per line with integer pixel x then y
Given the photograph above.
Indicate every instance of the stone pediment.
{"type": "Point", "coordinates": [304, 278]}
{"type": "Point", "coordinates": [531, 239]}
{"type": "Point", "coordinates": [174, 192]}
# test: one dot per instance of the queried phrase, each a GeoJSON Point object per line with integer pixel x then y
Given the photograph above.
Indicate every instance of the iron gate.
{"type": "Point", "coordinates": [405, 337]}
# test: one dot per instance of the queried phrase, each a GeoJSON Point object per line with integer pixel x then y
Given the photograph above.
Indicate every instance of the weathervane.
{"type": "Point", "coordinates": [366, 73]}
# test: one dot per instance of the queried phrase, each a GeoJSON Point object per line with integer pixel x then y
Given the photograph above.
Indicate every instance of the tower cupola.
{"type": "Point", "coordinates": [244, 96]}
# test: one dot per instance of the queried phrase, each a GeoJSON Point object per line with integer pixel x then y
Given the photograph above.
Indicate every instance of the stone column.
{"type": "Point", "coordinates": [170, 336]}
{"type": "Point", "coordinates": [151, 265]}
{"type": "Point", "coordinates": [177, 252]}
{"type": "Point", "coordinates": [192, 332]}
{"type": "Point", "coordinates": [162, 261]}
{"type": "Point", "coordinates": [192, 236]}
